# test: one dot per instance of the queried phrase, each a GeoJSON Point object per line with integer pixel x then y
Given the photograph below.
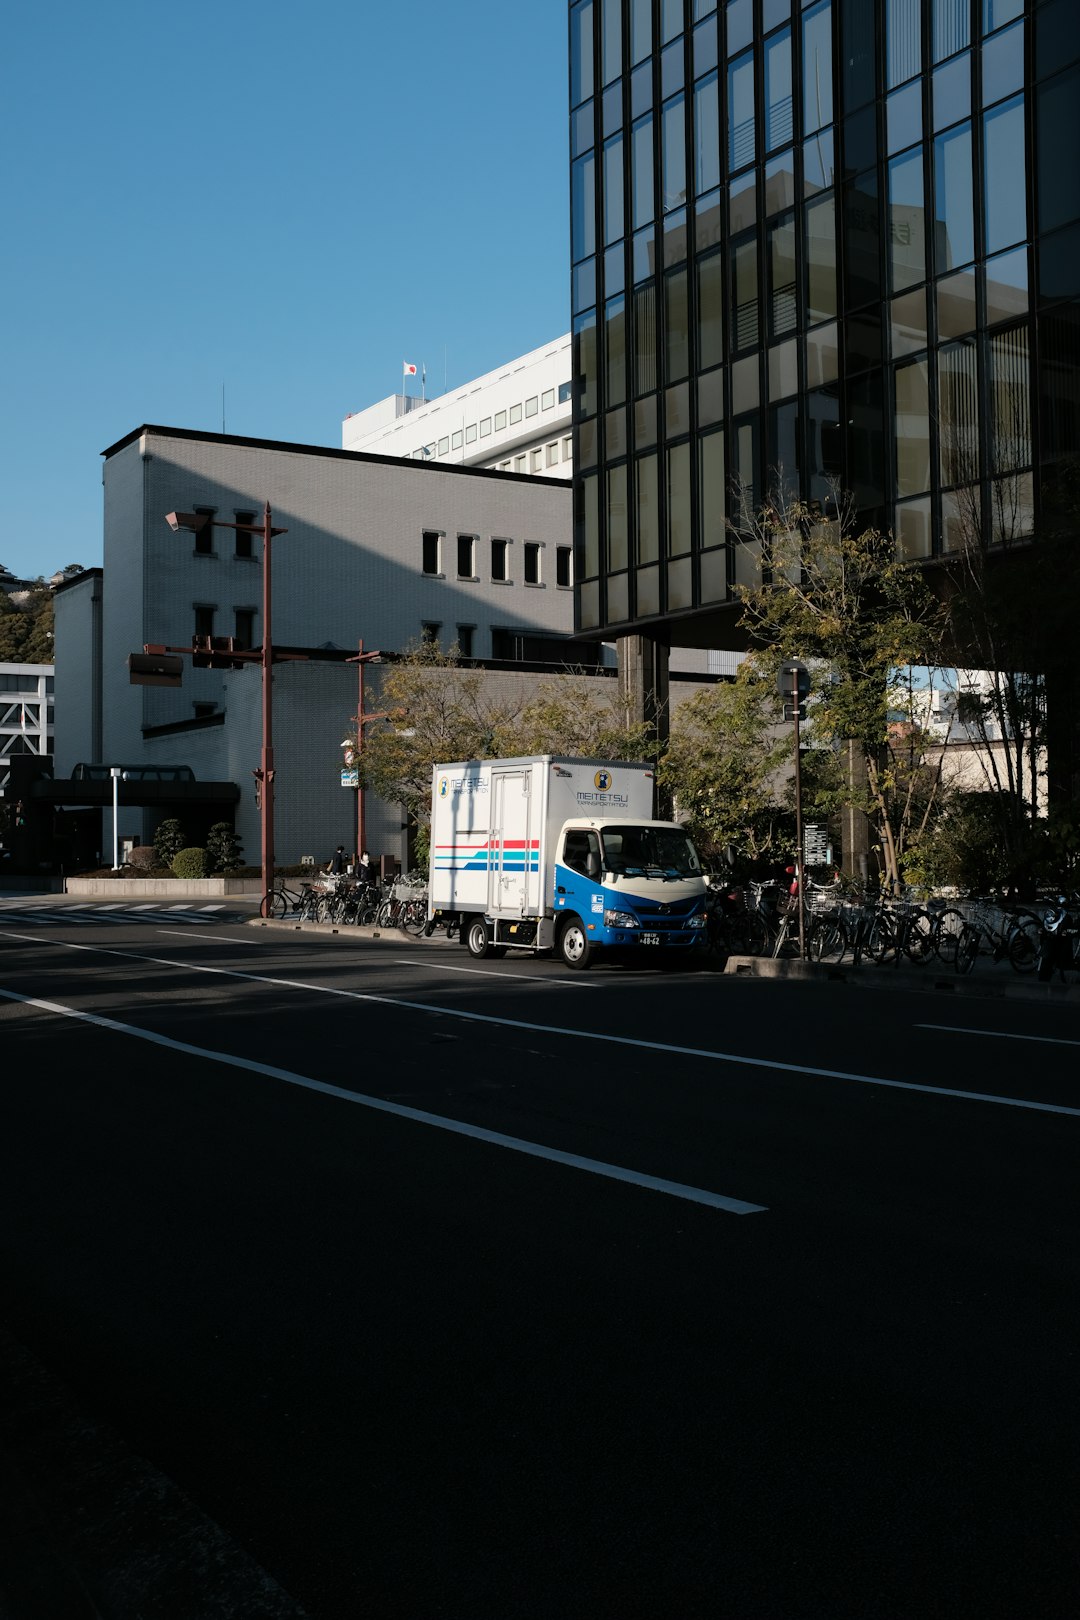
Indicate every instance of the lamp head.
{"type": "Point", "coordinates": [194, 521]}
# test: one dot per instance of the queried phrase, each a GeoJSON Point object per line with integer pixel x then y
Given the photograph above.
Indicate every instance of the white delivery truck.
{"type": "Point", "coordinates": [547, 853]}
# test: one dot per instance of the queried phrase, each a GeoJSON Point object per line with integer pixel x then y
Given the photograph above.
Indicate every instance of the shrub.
{"type": "Point", "coordinates": [168, 842]}
{"type": "Point", "coordinates": [189, 863]}
{"type": "Point", "coordinates": [223, 851]}
{"type": "Point", "coordinates": [143, 857]}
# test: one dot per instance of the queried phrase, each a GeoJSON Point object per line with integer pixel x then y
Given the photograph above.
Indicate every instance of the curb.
{"type": "Point", "coordinates": [291, 925]}
{"type": "Point", "coordinates": [1013, 989]}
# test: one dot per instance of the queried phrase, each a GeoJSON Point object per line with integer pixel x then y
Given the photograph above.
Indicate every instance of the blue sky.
{"type": "Point", "coordinates": [288, 200]}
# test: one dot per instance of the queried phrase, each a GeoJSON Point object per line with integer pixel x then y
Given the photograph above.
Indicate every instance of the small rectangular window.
{"type": "Point", "coordinates": [465, 556]}
{"type": "Point", "coordinates": [519, 464]}
{"type": "Point", "coordinates": [204, 619]}
{"type": "Point", "coordinates": [536, 458]}
{"type": "Point", "coordinates": [563, 574]}
{"type": "Point", "coordinates": [431, 551]}
{"type": "Point", "coordinates": [531, 406]}
{"type": "Point", "coordinates": [465, 634]}
{"type": "Point", "coordinates": [457, 440]}
{"type": "Point", "coordinates": [500, 559]}
{"type": "Point", "coordinates": [204, 537]}
{"type": "Point", "coordinates": [244, 628]}
{"type": "Point", "coordinates": [429, 631]}
{"type": "Point", "coordinates": [470, 433]}
{"type": "Point", "coordinates": [444, 445]}
{"type": "Point", "coordinates": [485, 427]}
{"type": "Point", "coordinates": [547, 401]}
{"type": "Point", "coordinates": [566, 393]}
{"type": "Point", "coordinates": [243, 540]}
{"type": "Point", "coordinates": [568, 449]}
{"type": "Point", "coordinates": [515, 414]}
{"type": "Point", "coordinates": [500, 421]}
{"type": "Point", "coordinates": [532, 563]}
{"type": "Point", "coordinates": [553, 454]}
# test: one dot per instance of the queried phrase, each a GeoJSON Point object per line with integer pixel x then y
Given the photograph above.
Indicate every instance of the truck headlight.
{"type": "Point", "coordinates": [696, 922]}
{"type": "Point", "coordinates": [620, 919]}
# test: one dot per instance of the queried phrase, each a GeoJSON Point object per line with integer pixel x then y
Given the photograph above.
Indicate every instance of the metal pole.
{"type": "Point", "coordinates": [114, 772]}
{"type": "Point", "coordinates": [361, 833]}
{"type": "Point", "coordinates": [266, 761]}
{"type": "Point", "coordinates": [798, 819]}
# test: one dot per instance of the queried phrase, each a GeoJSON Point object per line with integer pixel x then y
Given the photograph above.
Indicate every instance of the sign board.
{"type": "Point", "coordinates": [816, 850]}
{"type": "Point", "coordinates": [350, 779]}
{"type": "Point", "coordinates": [791, 676]}
{"type": "Point", "coordinates": [307, 860]}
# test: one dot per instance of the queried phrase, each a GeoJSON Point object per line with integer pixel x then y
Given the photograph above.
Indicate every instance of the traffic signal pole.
{"type": "Point", "coordinates": [799, 853]}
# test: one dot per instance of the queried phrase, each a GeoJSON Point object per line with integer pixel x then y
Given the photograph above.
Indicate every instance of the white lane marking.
{"type": "Point", "coordinates": [457, 1127]}
{"type": "Point", "coordinates": [736, 1058]}
{"type": "Point", "coordinates": [998, 1034]}
{"type": "Point", "coordinates": [150, 905]}
{"type": "Point", "coordinates": [187, 906]}
{"type": "Point", "coordinates": [117, 905]}
{"type": "Point", "coordinates": [186, 933]}
{"type": "Point", "coordinates": [212, 908]}
{"type": "Point", "coordinates": [492, 973]}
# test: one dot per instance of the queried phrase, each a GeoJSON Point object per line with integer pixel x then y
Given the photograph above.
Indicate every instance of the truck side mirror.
{"type": "Point", "coordinates": [592, 865]}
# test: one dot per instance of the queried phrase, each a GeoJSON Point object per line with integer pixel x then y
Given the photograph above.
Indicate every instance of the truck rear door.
{"type": "Point", "coordinates": [511, 854]}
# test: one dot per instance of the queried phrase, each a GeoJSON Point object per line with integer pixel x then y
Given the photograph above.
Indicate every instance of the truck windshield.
{"type": "Point", "coordinates": [631, 851]}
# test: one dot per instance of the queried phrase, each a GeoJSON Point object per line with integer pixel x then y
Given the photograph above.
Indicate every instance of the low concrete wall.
{"type": "Point", "coordinates": [152, 888]}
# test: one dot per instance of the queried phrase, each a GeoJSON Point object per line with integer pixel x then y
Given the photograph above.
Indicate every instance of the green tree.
{"type": "Point", "coordinates": [439, 711]}
{"type": "Point", "coordinates": [223, 851]}
{"type": "Point", "coordinates": [436, 711]}
{"type": "Point", "coordinates": [843, 601]}
{"type": "Point", "coordinates": [168, 841]}
{"type": "Point", "coordinates": [725, 765]}
{"type": "Point", "coordinates": [26, 630]}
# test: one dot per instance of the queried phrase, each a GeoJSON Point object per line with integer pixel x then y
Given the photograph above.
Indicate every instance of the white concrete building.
{"type": "Point", "coordinates": [516, 418]}
{"type": "Point", "coordinates": [26, 713]}
{"type": "Point", "coordinates": [376, 548]}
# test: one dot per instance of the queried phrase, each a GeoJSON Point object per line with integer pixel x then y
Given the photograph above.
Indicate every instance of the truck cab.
{"type": "Point", "coordinates": [625, 885]}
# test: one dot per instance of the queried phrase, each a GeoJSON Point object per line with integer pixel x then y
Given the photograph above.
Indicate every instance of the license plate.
{"type": "Point", "coordinates": [650, 939]}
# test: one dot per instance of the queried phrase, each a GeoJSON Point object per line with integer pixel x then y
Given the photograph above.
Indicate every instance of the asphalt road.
{"type": "Point", "coordinates": [719, 1298]}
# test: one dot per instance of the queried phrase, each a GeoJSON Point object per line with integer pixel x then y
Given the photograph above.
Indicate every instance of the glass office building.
{"type": "Point", "coordinates": [819, 244]}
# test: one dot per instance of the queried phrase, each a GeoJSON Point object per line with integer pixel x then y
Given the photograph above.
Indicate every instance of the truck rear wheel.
{"type": "Point", "coordinates": [574, 945]}
{"type": "Point", "coordinates": [478, 940]}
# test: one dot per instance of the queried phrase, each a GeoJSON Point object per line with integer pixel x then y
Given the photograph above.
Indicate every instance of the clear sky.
{"type": "Point", "coordinates": [289, 199]}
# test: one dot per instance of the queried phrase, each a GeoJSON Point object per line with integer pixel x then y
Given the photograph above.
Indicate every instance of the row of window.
{"type": "Point", "coordinates": [498, 423]}
{"type": "Point", "coordinates": [536, 460]}
{"type": "Point", "coordinates": [25, 683]}
{"type": "Point", "coordinates": [512, 646]}
{"type": "Point", "coordinates": [204, 538]}
{"type": "Point", "coordinates": [434, 542]}
{"type": "Point", "coordinates": [243, 630]}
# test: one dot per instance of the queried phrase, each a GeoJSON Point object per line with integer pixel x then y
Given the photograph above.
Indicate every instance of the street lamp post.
{"type": "Point", "coordinates": [264, 776]}
{"type": "Point", "coordinates": [116, 773]}
{"type": "Point", "coordinates": [361, 660]}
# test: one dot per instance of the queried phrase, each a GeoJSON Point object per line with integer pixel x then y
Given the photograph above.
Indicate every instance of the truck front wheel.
{"type": "Point", "coordinates": [575, 947]}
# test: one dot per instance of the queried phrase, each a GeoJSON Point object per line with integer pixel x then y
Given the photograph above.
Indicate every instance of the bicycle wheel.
{"type": "Point", "coordinates": [948, 926]}
{"type": "Point", "coordinates": [414, 917]}
{"type": "Point", "coordinates": [919, 937]}
{"type": "Point", "coordinates": [967, 949]}
{"type": "Point", "coordinates": [279, 905]}
{"type": "Point", "coordinates": [1023, 943]}
{"type": "Point", "coordinates": [880, 938]}
{"type": "Point", "coordinates": [386, 915]}
{"type": "Point", "coordinates": [827, 941]}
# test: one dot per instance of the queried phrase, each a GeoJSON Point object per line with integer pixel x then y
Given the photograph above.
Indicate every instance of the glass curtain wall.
{"type": "Point", "coordinates": [817, 237]}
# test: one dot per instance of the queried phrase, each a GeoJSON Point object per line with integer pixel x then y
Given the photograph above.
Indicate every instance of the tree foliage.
{"type": "Point", "coordinates": [168, 841]}
{"type": "Point", "coordinates": [223, 851]}
{"type": "Point", "coordinates": [438, 711]}
{"type": "Point", "coordinates": [724, 765]}
{"type": "Point", "coordinates": [26, 630]}
{"type": "Point", "coordinates": [841, 600]}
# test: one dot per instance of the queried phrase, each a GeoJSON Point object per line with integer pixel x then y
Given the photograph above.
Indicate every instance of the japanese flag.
{"type": "Point", "coordinates": [409, 371]}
